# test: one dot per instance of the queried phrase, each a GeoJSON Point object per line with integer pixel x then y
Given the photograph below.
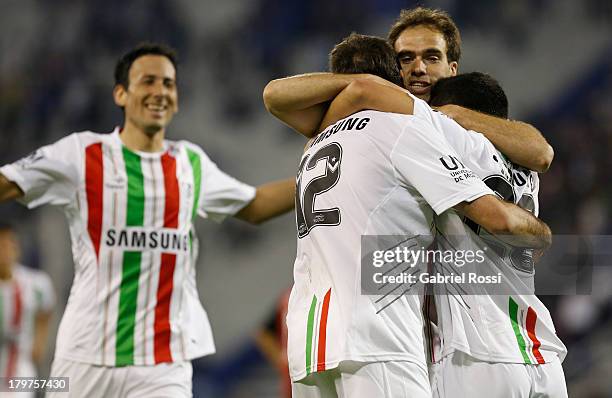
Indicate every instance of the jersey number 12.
{"type": "Point", "coordinates": [307, 217]}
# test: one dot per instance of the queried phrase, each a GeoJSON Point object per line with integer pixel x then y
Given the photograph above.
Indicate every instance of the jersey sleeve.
{"type": "Point", "coordinates": [536, 193]}
{"type": "Point", "coordinates": [45, 292]}
{"type": "Point", "coordinates": [422, 158]}
{"type": "Point", "coordinates": [48, 175]}
{"type": "Point", "coordinates": [221, 195]}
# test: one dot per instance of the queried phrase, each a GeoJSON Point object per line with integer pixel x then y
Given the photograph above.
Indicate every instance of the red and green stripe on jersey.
{"type": "Point", "coordinates": [132, 266]}
{"type": "Point", "coordinates": [11, 325]}
{"type": "Point", "coordinates": [524, 326]}
{"type": "Point", "coordinates": [316, 333]}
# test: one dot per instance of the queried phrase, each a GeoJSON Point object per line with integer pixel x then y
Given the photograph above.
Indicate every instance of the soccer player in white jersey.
{"type": "Point", "coordinates": [507, 339]}
{"type": "Point", "coordinates": [27, 300]}
{"type": "Point", "coordinates": [134, 320]}
{"type": "Point", "coordinates": [356, 178]}
{"type": "Point", "coordinates": [528, 337]}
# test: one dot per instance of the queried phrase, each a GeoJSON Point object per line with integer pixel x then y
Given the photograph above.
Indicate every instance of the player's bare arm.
{"type": "Point", "coordinates": [41, 336]}
{"type": "Point", "coordinates": [508, 222]}
{"type": "Point", "coordinates": [271, 200]}
{"type": "Point", "coordinates": [301, 101]}
{"type": "Point", "coordinates": [8, 189]}
{"type": "Point", "coordinates": [363, 94]}
{"type": "Point", "coordinates": [521, 142]}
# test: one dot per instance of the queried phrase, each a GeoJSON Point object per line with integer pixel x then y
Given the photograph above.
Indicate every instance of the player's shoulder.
{"type": "Point", "coordinates": [88, 137]}
{"type": "Point", "coordinates": [378, 120]}
{"type": "Point", "coordinates": [187, 146]}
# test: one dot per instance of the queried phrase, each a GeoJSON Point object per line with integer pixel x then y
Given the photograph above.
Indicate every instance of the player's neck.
{"type": "Point", "coordinates": [135, 139]}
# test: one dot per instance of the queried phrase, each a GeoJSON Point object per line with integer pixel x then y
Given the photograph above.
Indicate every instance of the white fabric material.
{"type": "Point", "coordinates": [461, 376]}
{"type": "Point", "coordinates": [373, 173]}
{"type": "Point", "coordinates": [57, 174]}
{"type": "Point", "coordinates": [479, 323]}
{"type": "Point", "coordinates": [366, 380]}
{"type": "Point", "coordinates": [159, 381]}
{"type": "Point", "coordinates": [34, 292]}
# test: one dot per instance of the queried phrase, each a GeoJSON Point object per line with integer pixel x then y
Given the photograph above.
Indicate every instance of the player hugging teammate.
{"type": "Point", "coordinates": [388, 180]}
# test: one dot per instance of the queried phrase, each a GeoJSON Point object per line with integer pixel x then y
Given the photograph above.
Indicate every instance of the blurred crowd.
{"type": "Point", "coordinates": [56, 77]}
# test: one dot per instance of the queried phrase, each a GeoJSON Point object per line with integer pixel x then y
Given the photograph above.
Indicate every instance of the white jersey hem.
{"type": "Point", "coordinates": [487, 357]}
{"type": "Point", "coordinates": [362, 358]}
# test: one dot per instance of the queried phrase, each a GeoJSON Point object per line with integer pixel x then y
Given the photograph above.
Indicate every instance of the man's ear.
{"type": "Point", "coordinates": [120, 95]}
{"type": "Point", "coordinates": [454, 67]}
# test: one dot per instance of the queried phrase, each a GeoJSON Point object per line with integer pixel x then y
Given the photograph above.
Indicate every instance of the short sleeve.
{"type": "Point", "coordinates": [48, 175]}
{"type": "Point", "coordinates": [45, 293]}
{"type": "Point", "coordinates": [423, 159]}
{"type": "Point", "coordinates": [220, 194]}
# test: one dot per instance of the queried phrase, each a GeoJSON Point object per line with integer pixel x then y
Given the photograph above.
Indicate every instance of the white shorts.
{"type": "Point", "coordinates": [393, 379]}
{"type": "Point", "coordinates": [459, 375]}
{"type": "Point", "coordinates": [92, 381]}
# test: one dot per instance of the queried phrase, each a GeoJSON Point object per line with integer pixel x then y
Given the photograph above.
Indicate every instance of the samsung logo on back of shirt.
{"type": "Point", "coordinates": [348, 124]}
{"type": "Point", "coordinates": [143, 239]}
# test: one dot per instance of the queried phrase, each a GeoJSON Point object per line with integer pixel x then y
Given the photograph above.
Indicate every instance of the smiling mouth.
{"type": "Point", "coordinates": [420, 85]}
{"type": "Point", "coordinates": [156, 108]}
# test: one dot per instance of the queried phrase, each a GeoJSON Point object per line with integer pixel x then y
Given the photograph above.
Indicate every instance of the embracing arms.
{"type": "Point", "coordinates": [302, 103]}
{"type": "Point", "coordinates": [508, 222]}
{"type": "Point", "coordinates": [521, 142]}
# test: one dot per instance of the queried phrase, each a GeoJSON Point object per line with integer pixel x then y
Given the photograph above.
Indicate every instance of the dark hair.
{"type": "Point", "coordinates": [122, 69]}
{"type": "Point", "coordinates": [477, 91]}
{"type": "Point", "coordinates": [365, 54]}
{"type": "Point", "coordinates": [437, 20]}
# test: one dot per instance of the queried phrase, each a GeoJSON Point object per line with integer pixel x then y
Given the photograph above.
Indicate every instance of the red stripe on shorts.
{"type": "Point", "coordinates": [323, 333]}
{"type": "Point", "coordinates": [532, 318]}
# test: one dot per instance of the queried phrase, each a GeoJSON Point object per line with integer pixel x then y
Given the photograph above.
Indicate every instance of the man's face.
{"type": "Point", "coordinates": [421, 52]}
{"type": "Point", "coordinates": [9, 249]}
{"type": "Point", "coordinates": [151, 100]}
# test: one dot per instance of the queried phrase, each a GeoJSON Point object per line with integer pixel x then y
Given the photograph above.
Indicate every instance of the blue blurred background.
{"type": "Point", "coordinates": [554, 58]}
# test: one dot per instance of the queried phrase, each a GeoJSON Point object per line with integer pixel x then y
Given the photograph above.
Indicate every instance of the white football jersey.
{"type": "Point", "coordinates": [134, 299]}
{"type": "Point", "coordinates": [27, 293]}
{"type": "Point", "coordinates": [512, 327]}
{"type": "Point", "coordinates": [372, 173]}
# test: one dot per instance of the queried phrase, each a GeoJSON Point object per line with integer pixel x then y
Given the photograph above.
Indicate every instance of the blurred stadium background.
{"type": "Point", "coordinates": [554, 58]}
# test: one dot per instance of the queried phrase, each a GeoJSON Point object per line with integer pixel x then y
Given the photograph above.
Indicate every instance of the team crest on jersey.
{"type": "Point", "coordinates": [173, 150]}
{"type": "Point", "coordinates": [116, 182]}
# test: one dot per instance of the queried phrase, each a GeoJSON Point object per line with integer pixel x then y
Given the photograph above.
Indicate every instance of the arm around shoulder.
{"type": "Point", "coordinates": [521, 142]}
{"type": "Point", "coordinates": [508, 222]}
